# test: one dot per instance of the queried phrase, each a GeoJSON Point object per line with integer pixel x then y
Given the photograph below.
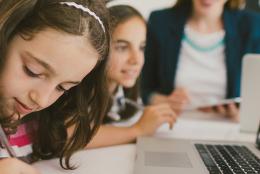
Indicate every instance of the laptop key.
{"type": "Point", "coordinates": [229, 159]}
{"type": "Point", "coordinates": [207, 159]}
{"type": "Point", "coordinates": [214, 170]}
{"type": "Point", "coordinates": [257, 169]}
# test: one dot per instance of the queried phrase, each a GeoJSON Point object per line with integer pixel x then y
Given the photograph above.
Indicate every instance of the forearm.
{"type": "Point", "coordinates": [108, 135]}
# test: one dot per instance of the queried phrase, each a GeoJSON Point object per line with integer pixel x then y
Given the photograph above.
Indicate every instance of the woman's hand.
{"type": "Point", "coordinates": [15, 166]}
{"type": "Point", "coordinates": [153, 117]}
{"type": "Point", "coordinates": [177, 99]}
{"type": "Point", "coordinates": [230, 111]}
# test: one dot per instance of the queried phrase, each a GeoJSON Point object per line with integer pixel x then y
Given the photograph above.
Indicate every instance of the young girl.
{"type": "Point", "coordinates": [125, 63]}
{"type": "Point", "coordinates": [53, 56]}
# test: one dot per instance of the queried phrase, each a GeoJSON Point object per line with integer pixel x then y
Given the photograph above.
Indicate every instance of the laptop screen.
{"type": "Point", "coordinates": [258, 137]}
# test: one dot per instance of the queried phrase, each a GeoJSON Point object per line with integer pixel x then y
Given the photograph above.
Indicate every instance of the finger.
{"type": "Point", "coordinates": [178, 107]}
{"type": "Point", "coordinates": [179, 98]}
{"type": "Point", "coordinates": [206, 109]}
{"type": "Point", "coordinates": [169, 120]}
{"type": "Point", "coordinates": [174, 91]}
{"type": "Point", "coordinates": [177, 111]}
{"type": "Point", "coordinates": [173, 103]}
{"type": "Point", "coordinates": [179, 91]}
{"type": "Point", "coordinates": [166, 108]}
{"type": "Point", "coordinates": [171, 125]}
{"type": "Point", "coordinates": [167, 112]}
{"type": "Point", "coordinates": [233, 111]}
{"type": "Point", "coordinates": [221, 110]}
{"type": "Point", "coordinates": [162, 110]}
{"type": "Point", "coordinates": [161, 106]}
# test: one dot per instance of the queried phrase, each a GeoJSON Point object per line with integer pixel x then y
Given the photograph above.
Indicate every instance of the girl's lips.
{"type": "Point", "coordinates": [130, 73]}
{"type": "Point", "coordinates": [22, 108]}
{"type": "Point", "coordinates": [206, 3]}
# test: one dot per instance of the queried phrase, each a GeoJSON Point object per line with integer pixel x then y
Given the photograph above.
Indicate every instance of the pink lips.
{"type": "Point", "coordinates": [206, 3]}
{"type": "Point", "coordinates": [22, 108]}
{"type": "Point", "coordinates": [130, 74]}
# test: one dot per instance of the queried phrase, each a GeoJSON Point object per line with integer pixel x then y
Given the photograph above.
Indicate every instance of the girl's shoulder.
{"type": "Point", "coordinates": [251, 18]}
{"type": "Point", "coordinates": [24, 133]}
{"type": "Point", "coordinates": [22, 140]}
{"type": "Point", "coordinates": [247, 23]}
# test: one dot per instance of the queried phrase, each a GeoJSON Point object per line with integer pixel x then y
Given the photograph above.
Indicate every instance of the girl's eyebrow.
{"type": "Point", "coordinates": [41, 62]}
{"type": "Point", "coordinates": [121, 41]}
{"type": "Point", "coordinates": [47, 67]}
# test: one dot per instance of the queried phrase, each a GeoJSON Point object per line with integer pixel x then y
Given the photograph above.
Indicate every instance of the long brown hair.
{"type": "Point", "coordinates": [83, 106]}
{"type": "Point", "coordinates": [230, 4]}
{"type": "Point", "coordinates": [118, 15]}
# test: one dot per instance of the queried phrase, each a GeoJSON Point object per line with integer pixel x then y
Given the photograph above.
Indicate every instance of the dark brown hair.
{"type": "Point", "coordinates": [230, 4]}
{"type": "Point", "coordinates": [118, 15]}
{"type": "Point", "coordinates": [83, 106]}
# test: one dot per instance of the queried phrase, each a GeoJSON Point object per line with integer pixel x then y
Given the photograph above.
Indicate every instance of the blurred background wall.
{"type": "Point", "coordinates": [145, 6]}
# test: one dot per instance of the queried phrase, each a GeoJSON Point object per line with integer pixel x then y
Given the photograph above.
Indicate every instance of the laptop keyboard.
{"type": "Point", "coordinates": [228, 159]}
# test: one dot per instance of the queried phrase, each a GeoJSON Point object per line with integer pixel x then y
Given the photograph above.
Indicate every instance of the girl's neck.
{"type": "Point", "coordinates": [206, 24]}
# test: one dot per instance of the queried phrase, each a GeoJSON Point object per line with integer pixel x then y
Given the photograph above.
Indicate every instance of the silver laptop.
{"type": "Point", "coordinates": [168, 156]}
{"type": "Point", "coordinates": [250, 93]}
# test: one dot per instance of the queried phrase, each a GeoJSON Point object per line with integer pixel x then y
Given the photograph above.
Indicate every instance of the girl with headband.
{"type": "Point", "coordinates": [53, 55]}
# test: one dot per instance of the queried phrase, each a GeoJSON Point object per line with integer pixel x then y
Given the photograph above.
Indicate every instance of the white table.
{"type": "Point", "coordinates": [198, 125]}
{"type": "Point", "coordinates": [120, 159]}
{"type": "Point", "coordinates": [110, 160]}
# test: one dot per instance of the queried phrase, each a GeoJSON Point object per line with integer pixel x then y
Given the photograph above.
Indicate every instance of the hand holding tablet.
{"type": "Point", "coordinates": [213, 104]}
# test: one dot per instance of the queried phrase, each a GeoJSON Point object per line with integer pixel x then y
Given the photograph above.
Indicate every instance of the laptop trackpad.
{"type": "Point", "coordinates": [167, 159]}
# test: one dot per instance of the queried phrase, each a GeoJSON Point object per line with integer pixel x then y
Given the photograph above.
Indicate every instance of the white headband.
{"type": "Point", "coordinates": [85, 9]}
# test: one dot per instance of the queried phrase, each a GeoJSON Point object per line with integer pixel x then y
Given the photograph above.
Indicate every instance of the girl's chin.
{"type": "Point", "coordinates": [128, 84]}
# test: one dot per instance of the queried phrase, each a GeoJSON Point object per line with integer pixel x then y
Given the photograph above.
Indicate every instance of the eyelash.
{"type": "Point", "coordinates": [61, 89]}
{"type": "Point", "coordinates": [121, 48]}
{"type": "Point", "coordinates": [32, 74]}
{"type": "Point", "coordinates": [29, 72]}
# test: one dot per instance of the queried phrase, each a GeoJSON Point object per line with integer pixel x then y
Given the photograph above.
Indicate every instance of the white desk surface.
{"type": "Point", "coordinates": [120, 159]}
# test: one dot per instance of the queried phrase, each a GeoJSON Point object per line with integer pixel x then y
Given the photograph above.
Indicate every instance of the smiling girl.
{"type": "Point", "coordinates": [124, 66]}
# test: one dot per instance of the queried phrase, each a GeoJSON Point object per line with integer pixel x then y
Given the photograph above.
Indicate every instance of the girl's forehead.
{"type": "Point", "coordinates": [132, 24]}
{"type": "Point", "coordinates": [70, 56]}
